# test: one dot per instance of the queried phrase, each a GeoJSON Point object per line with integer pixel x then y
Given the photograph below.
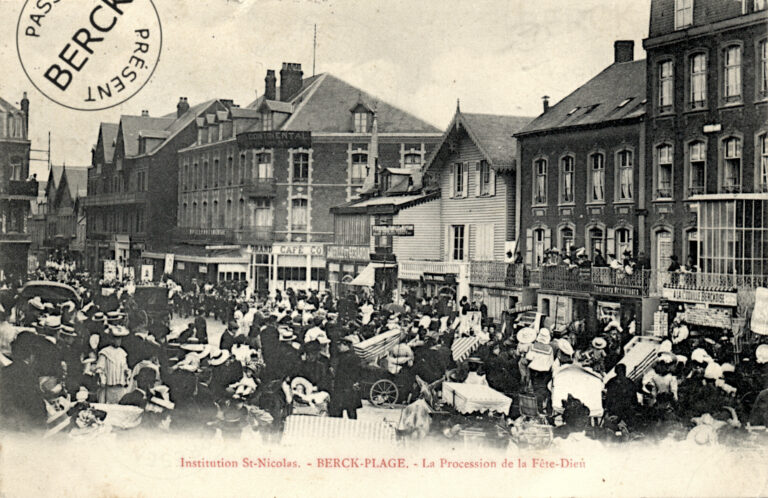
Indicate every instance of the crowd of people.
{"type": "Point", "coordinates": [294, 351]}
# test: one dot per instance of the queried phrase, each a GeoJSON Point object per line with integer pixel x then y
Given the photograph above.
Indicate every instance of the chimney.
{"type": "Point", "coordinates": [270, 85]}
{"type": "Point", "coordinates": [182, 107]}
{"type": "Point", "coordinates": [25, 110]}
{"type": "Point", "coordinates": [623, 51]}
{"type": "Point", "coordinates": [290, 80]}
{"type": "Point", "coordinates": [545, 100]}
{"type": "Point", "coordinates": [145, 113]}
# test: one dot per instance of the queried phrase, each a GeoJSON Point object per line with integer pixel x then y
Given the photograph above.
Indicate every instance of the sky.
{"type": "Point", "coordinates": [496, 56]}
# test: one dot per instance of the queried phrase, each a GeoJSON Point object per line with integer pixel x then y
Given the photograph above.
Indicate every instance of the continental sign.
{"type": "Point", "coordinates": [700, 296]}
{"type": "Point", "coordinates": [274, 140]}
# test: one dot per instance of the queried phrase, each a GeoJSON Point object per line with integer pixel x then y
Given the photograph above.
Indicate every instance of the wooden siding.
{"type": "Point", "coordinates": [424, 244]}
{"type": "Point", "coordinates": [351, 229]}
{"type": "Point", "coordinates": [472, 210]}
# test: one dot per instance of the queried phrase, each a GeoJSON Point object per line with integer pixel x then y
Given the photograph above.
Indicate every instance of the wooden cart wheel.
{"type": "Point", "coordinates": [383, 392]}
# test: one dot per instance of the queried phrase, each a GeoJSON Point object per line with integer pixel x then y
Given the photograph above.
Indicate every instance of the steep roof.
{"type": "Point", "coordinates": [108, 132]}
{"type": "Point", "coordinates": [327, 109]}
{"type": "Point", "coordinates": [324, 104]}
{"type": "Point", "coordinates": [618, 92]}
{"type": "Point", "coordinates": [77, 180]}
{"type": "Point", "coordinates": [132, 125]}
{"type": "Point", "coordinates": [492, 133]}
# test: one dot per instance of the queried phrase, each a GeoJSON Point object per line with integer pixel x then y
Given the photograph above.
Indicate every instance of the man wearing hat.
{"type": "Point", "coordinates": [347, 372]}
{"type": "Point", "coordinates": [21, 403]}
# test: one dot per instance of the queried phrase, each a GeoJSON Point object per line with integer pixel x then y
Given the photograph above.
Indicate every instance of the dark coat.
{"type": "Point", "coordinates": [21, 403]}
{"type": "Point", "coordinates": [347, 373]}
{"type": "Point", "coordinates": [134, 398]}
{"type": "Point", "coordinates": [318, 372]}
{"type": "Point", "coordinates": [227, 340]}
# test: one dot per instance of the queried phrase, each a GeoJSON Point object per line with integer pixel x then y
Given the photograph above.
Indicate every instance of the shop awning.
{"type": "Point", "coordinates": [367, 277]}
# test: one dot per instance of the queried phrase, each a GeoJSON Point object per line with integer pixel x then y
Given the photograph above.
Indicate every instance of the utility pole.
{"type": "Point", "coordinates": [314, 50]}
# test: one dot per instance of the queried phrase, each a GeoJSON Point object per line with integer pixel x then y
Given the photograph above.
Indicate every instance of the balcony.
{"type": "Point", "coordinates": [563, 278]}
{"type": "Point", "coordinates": [116, 199]}
{"type": "Point", "coordinates": [608, 281]}
{"type": "Point", "coordinates": [20, 189]}
{"type": "Point", "coordinates": [252, 235]}
{"type": "Point", "coordinates": [260, 187]}
{"type": "Point", "coordinates": [498, 273]}
{"type": "Point", "coordinates": [716, 282]}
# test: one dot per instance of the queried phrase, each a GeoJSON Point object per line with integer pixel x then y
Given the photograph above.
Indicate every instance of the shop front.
{"type": "Point", "coordinates": [298, 265]}
{"type": "Point", "coordinates": [344, 264]}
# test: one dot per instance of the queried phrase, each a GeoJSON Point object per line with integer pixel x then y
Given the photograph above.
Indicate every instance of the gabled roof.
{"type": "Point", "coordinates": [108, 134]}
{"type": "Point", "coordinates": [77, 180]}
{"type": "Point", "coordinates": [617, 93]}
{"type": "Point", "coordinates": [491, 133]}
{"type": "Point", "coordinates": [54, 177]}
{"type": "Point", "coordinates": [130, 126]}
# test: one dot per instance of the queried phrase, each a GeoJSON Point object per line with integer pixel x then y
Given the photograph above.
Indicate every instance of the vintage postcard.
{"type": "Point", "coordinates": [400, 248]}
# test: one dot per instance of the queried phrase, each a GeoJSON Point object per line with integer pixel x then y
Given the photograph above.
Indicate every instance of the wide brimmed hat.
{"type": "Point", "coordinates": [52, 322]}
{"type": "Point", "coordinates": [565, 347]}
{"type": "Point", "coordinates": [99, 317]}
{"type": "Point", "coordinates": [218, 357]}
{"type": "Point", "coordinates": [544, 336]}
{"type": "Point", "coordinates": [37, 303]}
{"type": "Point", "coordinates": [190, 363]}
{"type": "Point", "coordinates": [599, 343]}
{"type": "Point", "coordinates": [761, 354]}
{"type": "Point", "coordinates": [118, 331]}
{"type": "Point", "coordinates": [67, 306]}
{"type": "Point", "coordinates": [700, 355]}
{"type": "Point", "coordinates": [67, 330]}
{"type": "Point", "coordinates": [113, 316]}
{"type": "Point", "coordinates": [526, 335]}
{"type": "Point", "coordinates": [667, 357]}
{"type": "Point", "coordinates": [286, 334]}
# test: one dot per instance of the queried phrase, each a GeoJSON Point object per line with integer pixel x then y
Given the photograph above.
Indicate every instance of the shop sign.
{"type": "Point", "coordinates": [350, 253]}
{"type": "Point", "coordinates": [147, 272]}
{"type": "Point", "coordinates": [700, 296]}
{"type": "Point", "coordinates": [618, 290]}
{"type": "Point", "coordinates": [299, 249]}
{"type": "Point", "coordinates": [275, 139]}
{"type": "Point", "coordinates": [392, 230]}
{"type": "Point", "coordinates": [708, 317]}
{"type": "Point", "coordinates": [168, 268]}
{"type": "Point", "coordinates": [203, 268]}
{"type": "Point", "coordinates": [440, 278]}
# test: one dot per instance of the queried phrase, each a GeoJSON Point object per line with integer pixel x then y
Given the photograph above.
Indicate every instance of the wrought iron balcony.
{"type": "Point", "coordinates": [260, 187]}
{"type": "Point", "coordinates": [250, 235]}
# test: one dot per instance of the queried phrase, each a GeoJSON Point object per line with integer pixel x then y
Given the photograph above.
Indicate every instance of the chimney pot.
{"type": "Point", "coordinates": [623, 51]}
{"type": "Point", "coordinates": [182, 107]}
{"type": "Point", "coordinates": [145, 112]}
{"type": "Point", "coordinates": [270, 85]}
{"type": "Point", "coordinates": [545, 100]}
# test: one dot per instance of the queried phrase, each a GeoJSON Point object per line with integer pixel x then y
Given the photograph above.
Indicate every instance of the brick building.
{"type": "Point", "coordinates": [131, 202]}
{"type": "Point", "coordinates": [261, 180]}
{"type": "Point", "coordinates": [582, 177]}
{"type": "Point", "coordinates": [16, 191]}
{"type": "Point", "coordinates": [707, 141]}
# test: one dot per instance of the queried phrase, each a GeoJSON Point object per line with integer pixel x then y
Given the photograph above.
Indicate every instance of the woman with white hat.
{"type": "Point", "coordinates": [112, 367]}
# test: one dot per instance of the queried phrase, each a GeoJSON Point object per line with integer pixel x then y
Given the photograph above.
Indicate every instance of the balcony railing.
{"type": "Point", "coordinates": [499, 273]}
{"type": "Point", "coordinates": [224, 235]}
{"type": "Point", "coordinates": [20, 188]}
{"type": "Point", "coordinates": [566, 279]}
{"type": "Point", "coordinates": [116, 199]}
{"type": "Point", "coordinates": [260, 187]}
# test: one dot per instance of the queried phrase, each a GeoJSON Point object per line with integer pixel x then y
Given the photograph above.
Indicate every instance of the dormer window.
{"type": "Point", "coordinates": [266, 121]}
{"type": "Point", "coordinates": [361, 122]}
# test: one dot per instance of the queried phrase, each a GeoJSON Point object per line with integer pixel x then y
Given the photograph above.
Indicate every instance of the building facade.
{"type": "Point", "coordinates": [17, 192]}
{"type": "Point", "coordinates": [264, 178]}
{"type": "Point", "coordinates": [63, 216]}
{"type": "Point", "coordinates": [583, 178]}
{"type": "Point", "coordinates": [131, 202]}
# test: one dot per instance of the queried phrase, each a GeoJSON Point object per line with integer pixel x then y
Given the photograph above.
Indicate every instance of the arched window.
{"type": "Point", "coordinates": [206, 215]}
{"type": "Point", "coordinates": [412, 160]}
{"type": "Point", "coordinates": [596, 240]}
{"type": "Point", "coordinates": [664, 171]}
{"type": "Point", "coordinates": [215, 216]}
{"type": "Point", "coordinates": [625, 175]}
{"type": "Point", "coordinates": [697, 98]}
{"type": "Point", "coordinates": [540, 181]}
{"type": "Point", "coordinates": [230, 170]}
{"type": "Point", "coordinates": [228, 221]}
{"type": "Point", "coordinates": [732, 73]}
{"type": "Point", "coordinates": [183, 215]}
{"type": "Point", "coordinates": [567, 238]}
{"type": "Point", "coordinates": [697, 167]}
{"type": "Point", "coordinates": [623, 238]}
{"type": "Point", "coordinates": [730, 180]}
{"type": "Point", "coordinates": [241, 213]}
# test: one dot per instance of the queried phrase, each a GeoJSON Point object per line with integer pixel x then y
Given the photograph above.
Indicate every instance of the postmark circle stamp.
{"type": "Point", "coordinates": [89, 54]}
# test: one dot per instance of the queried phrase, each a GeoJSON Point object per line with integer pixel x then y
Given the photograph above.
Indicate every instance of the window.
{"type": "Point", "coordinates": [666, 86]}
{"type": "Point", "coordinates": [299, 214]}
{"type": "Point", "coordinates": [262, 209]}
{"type": "Point", "coordinates": [732, 73]}
{"type": "Point", "coordinates": [762, 70]}
{"type": "Point", "coordinates": [625, 163]}
{"type": "Point", "coordinates": [460, 179]}
{"type": "Point", "coordinates": [596, 241]}
{"type": "Point", "coordinates": [731, 181]}
{"type": "Point", "coordinates": [216, 172]}
{"type": "Point", "coordinates": [265, 165]}
{"type": "Point", "coordinates": [683, 13]}
{"type": "Point", "coordinates": [567, 239]}
{"type": "Point", "coordinates": [359, 168]}
{"type": "Point", "coordinates": [412, 160]}
{"type": "Point", "coordinates": [457, 242]}
{"type": "Point", "coordinates": [760, 5]}
{"type": "Point", "coordinates": [300, 167]}
{"type": "Point", "coordinates": [205, 174]}
{"type": "Point", "coordinates": [623, 242]}
{"type": "Point", "coordinates": [597, 178]}
{"type": "Point", "coordinates": [16, 169]}
{"type": "Point", "coordinates": [241, 214]}
{"type": "Point", "coordinates": [697, 163]}
{"type": "Point", "coordinates": [698, 83]}
{"type": "Point", "coordinates": [266, 121]}
{"type": "Point", "coordinates": [566, 179]}
{"type": "Point", "coordinates": [230, 170]}
{"type": "Point", "coordinates": [762, 180]}
{"type": "Point", "coordinates": [361, 122]}
{"type": "Point", "coordinates": [242, 169]}
{"type": "Point", "coordinates": [540, 182]}
{"type": "Point", "coordinates": [664, 172]}
{"type": "Point", "coordinates": [487, 179]}
{"type": "Point", "coordinates": [383, 243]}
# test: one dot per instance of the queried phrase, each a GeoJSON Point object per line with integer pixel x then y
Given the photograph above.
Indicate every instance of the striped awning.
{"type": "Point", "coordinates": [377, 346]}
{"type": "Point", "coordinates": [463, 347]}
{"type": "Point", "coordinates": [304, 429]}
